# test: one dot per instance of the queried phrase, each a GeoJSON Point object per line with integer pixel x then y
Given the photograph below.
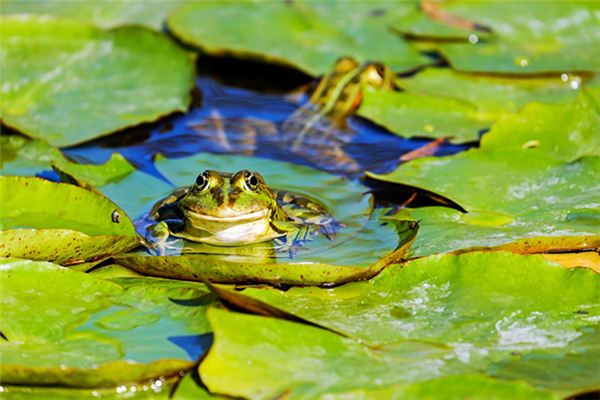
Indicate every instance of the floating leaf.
{"type": "Point", "coordinates": [417, 115]}
{"type": "Point", "coordinates": [536, 204]}
{"type": "Point", "coordinates": [306, 35]}
{"type": "Point", "coordinates": [69, 328]}
{"type": "Point", "coordinates": [565, 131]}
{"type": "Point", "coordinates": [100, 13]}
{"type": "Point", "coordinates": [44, 220]}
{"type": "Point", "coordinates": [494, 95]}
{"type": "Point", "coordinates": [489, 308]}
{"type": "Point", "coordinates": [305, 362]}
{"type": "Point", "coordinates": [527, 37]}
{"type": "Point", "coordinates": [68, 82]}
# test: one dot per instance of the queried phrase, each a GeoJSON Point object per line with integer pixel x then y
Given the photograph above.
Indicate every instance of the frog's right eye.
{"type": "Point", "coordinates": [202, 181]}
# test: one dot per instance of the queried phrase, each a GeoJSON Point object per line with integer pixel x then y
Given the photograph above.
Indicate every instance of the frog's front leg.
{"type": "Point", "coordinates": [157, 238]}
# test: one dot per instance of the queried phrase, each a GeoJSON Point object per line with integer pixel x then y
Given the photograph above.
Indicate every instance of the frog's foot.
{"type": "Point", "coordinates": [157, 239]}
{"type": "Point", "coordinates": [283, 245]}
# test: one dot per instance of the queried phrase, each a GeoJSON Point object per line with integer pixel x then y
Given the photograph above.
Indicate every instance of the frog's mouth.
{"type": "Point", "coordinates": [239, 218]}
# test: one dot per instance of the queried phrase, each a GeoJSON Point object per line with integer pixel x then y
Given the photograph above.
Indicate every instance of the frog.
{"type": "Point", "coordinates": [322, 121]}
{"type": "Point", "coordinates": [236, 209]}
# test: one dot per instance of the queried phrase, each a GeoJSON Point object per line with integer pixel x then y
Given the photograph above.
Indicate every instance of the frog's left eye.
{"type": "Point", "coordinates": [251, 181]}
{"type": "Point", "coordinates": [202, 181]}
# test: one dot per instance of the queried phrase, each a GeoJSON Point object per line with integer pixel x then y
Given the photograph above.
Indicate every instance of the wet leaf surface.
{"type": "Point", "coordinates": [68, 82]}
{"type": "Point", "coordinates": [537, 204]}
{"type": "Point", "coordinates": [306, 35]}
{"type": "Point", "coordinates": [419, 115]}
{"type": "Point", "coordinates": [487, 310]}
{"type": "Point", "coordinates": [60, 222]}
{"type": "Point", "coordinates": [100, 13]}
{"type": "Point", "coordinates": [68, 328]}
{"type": "Point", "coordinates": [306, 362]}
{"type": "Point", "coordinates": [526, 37]}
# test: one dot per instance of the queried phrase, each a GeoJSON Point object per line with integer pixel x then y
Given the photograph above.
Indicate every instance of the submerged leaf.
{"type": "Point", "coordinates": [68, 82]}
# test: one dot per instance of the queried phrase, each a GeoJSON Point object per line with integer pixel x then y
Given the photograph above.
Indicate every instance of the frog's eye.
{"type": "Point", "coordinates": [202, 181]}
{"type": "Point", "coordinates": [251, 181]}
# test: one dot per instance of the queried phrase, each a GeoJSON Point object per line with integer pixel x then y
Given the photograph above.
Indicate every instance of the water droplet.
{"type": "Point", "coordinates": [473, 39]}
{"type": "Point", "coordinates": [575, 83]}
{"type": "Point", "coordinates": [428, 128]}
{"type": "Point", "coordinates": [121, 389]}
{"type": "Point", "coordinates": [522, 62]}
{"type": "Point", "coordinates": [564, 77]}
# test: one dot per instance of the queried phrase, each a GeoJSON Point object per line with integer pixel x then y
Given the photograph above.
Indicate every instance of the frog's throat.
{"type": "Point", "coordinates": [247, 228]}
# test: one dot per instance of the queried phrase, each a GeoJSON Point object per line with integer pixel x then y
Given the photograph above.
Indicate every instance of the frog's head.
{"type": "Point", "coordinates": [377, 75]}
{"type": "Point", "coordinates": [229, 209]}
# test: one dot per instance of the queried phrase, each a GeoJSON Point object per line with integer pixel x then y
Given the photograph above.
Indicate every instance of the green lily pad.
{"type": "Point", "coordinates": [565, 131]}
{"type": "Point", "coordinates": [305, 362]}
{"type": "Point", "coordinates": [527, 37]}
{"type": "Point", "coordinates": [44, 220]}
{"type": "Point", "coordinates": [418, 115]}
{"type": "Point", "coordinates": [100, 13]}
{"type": "Point", "coordinates": [306, 35]}
{"type": "Point", "coordinates": [68, 82]}
{"type": "Point", "coordinates": [495, 95]}
{"type": "Point", "coordinates": [356, 252]}
{"type": "Point", "coordinates": [458, 387]}
{"type": "Point", "coordinates": [69, 328]}
{"type": "Point", "coordinates": [535, 204]}
{"type": "Point", "coordinates": [489, 308]}
{"type": "Point", "coordinates": [25, 157]}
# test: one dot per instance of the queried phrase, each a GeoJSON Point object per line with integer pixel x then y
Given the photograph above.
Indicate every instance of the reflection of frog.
{"type": "Point", "coordinates": [235, 209]}
{"type": "Point", "coordinates": [337, 96]}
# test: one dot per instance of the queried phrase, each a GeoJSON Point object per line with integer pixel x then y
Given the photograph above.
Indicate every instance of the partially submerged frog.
{"type": "Point", "coordinates": [227, 209]}
{"type": "Point", "coordinates": [336, 97]}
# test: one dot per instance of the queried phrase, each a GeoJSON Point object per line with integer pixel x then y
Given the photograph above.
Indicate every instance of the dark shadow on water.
{"type": "Point", "coordinates": [194, 345]}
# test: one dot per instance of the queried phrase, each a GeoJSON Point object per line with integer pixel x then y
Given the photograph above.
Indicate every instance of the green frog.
{"type": "Point", "coordinates": [226, 209]}
{"type": "Point", "coordinates": [321, 121]}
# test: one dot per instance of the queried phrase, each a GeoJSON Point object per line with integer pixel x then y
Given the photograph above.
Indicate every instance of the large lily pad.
{"type": "Point", "coordinates": [106, 14]}
{"type": "Point", "coordinates": [44, 220]}
{"type": "Point", "coordinates": [495, 95]}
{"type": "Point", "coordinates": [69, 328]}
{"type": "Point", "coordinates": [68, 82]}
{"type": "Point", "coordinates": [418, 115]}
{"type": "Point", "coordinates": [307, 35]}
{"type": "Point", "coordinates": [528, 37]}
{"type": "Point", "coordinates": [535, 204]}
{"type": "Point", "coordinates": [305, 362]}
{"type": "Point", "coordinates": [490, 309]}
{"type": "Point", "coordinates": [565, 131]}
{"type": "Point", "coordinates": [361, 243]}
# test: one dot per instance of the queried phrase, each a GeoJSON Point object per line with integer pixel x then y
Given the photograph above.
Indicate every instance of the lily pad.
{"type": "Point", "coordinates": [25, 157]}
{"type": "Point", "coordinates": [536, 204]}
{"type": "Point", "coordinates": [69, 328]}
{"type": "Point", "coordinates": [68, 82]}
{"type": "Point", "coordinates": [418, 115]}
{"type": "Point", "coordinates": [100, 13]}
{"type": "Point", "coordinates": [306, 35]}
{"type": "Point", "coordinates": [488, 308]}
{"type": "Point", "coordinates": [304, 362]}
{"type": "Point", "coordinates": [495, 95]}
{"type": "Point", "coordinates": [527, 37]}
{"type": "Point", "coordinates": [565, 131]}
{"type": "Point", "coordinates": [44, 220]}
{"type": "Point", "coordinates": [361, 243]}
